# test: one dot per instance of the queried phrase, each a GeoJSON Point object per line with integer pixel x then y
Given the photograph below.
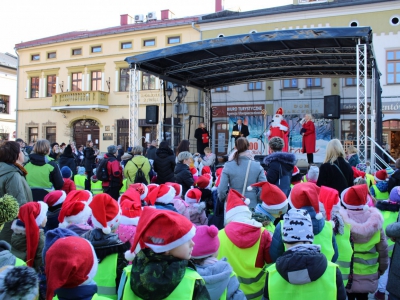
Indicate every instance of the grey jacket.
{"type": "Point", "coordinates": [393, 287]}
{"type": "Point", "coordinates": [13, 182]}
{"type": "Point", "coordinates": [6, 257]}
{"type": "Point", "coordinates": [218, 278]}
{"type": "Point", "coordinates": [233, 176]}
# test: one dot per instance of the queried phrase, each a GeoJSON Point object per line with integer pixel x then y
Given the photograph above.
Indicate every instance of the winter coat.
{"type": "Point", "coordinates": [198, 135]}
{"type": "Point", "coordinates": [6, 257]}
{"type": "Point", "coordinates": [120, 153]}
{"type": "Point", "coordinates": [218, 277]}
{"type": "Point", "coordinates": [164, 165]}
{"type": "Point", "coordinates": [79, 229]}
{"type": "Point", "coordinates": [130, 169]}
{"type": "Point", "coordinates": [151, 153]}
{"type": "Point", "coordinates": [68, 186]}
{"type": "Point", "coordinates": [182, 207]}
{"type": "Point", "coordinates": [354, 160]}
{"type": "Point", "coordinates": [382, 186]}
{"type": "Point", "coordinates": [165, 206]}
{"type": "Point", "coordinates": [183, 176]}
{"type": "Point", "coordinates": [277, 247]}
{"type": "Point", "coordinates": [394, 180]}
{"type": "Point", "coordinates": [69, 161]}
{"type": "Point", "coordinates": [364, 224]}
{"type": "Point", "coordinates": [208, 160]}
{"type": "Point", "coordinates": [331, 177]}
{"type": "Point", "coordinates": [126, 233]}
{"type": "Point", "coordinates": [52, 217]}
{"type": "Point", "coordinates": [233, 176]}
{"type": "Point", "coordinates": [279, 166]}
{"type": "Point", "coordinates": [54, 156]}
{"type": "Point", "coordinates": [309, 263]}
{"type": "Point", "coordinates": [393, 287]}
{"type": "Point", "coordinates": [80, 292]}
{"type": "Point", "coordinates": [50, 178]}
{"type": "Point", "coordinates": [156, 275]}
{"type": "Point", "coordinates": [89, 159]}
{"type": "Point", "coordinates": [309, 137]}
{"type": "Point", "coordinates": [114, 170]}
{"type": "Point", "coordinates": [198, 214]}
{"type": "Point", "coordinates": [13, 182]}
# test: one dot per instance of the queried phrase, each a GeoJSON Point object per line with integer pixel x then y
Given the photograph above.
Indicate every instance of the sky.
{"type": "Point", "coordinates": [26, 20]}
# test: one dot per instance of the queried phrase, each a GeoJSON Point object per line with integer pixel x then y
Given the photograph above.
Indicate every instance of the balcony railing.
{"type": "Point", "coordinates": [80, 100]}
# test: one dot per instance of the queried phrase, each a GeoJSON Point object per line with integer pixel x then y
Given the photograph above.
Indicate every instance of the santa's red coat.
{"type": "Point", "coordinates": [309, 137]}
{"type": "Point", "coordinates": [276, 131]}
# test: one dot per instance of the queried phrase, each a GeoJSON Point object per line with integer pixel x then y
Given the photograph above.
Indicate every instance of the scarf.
{"type": "Point", "coordinates": [21, 168]}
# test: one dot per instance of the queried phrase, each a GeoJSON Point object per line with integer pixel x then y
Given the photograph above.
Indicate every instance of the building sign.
{"type": "Point", "coordinates": [149, 97]}
{"type": "Point", "coordinates": [351, 108]}
{"type": "Point", "coordinates": [238, 110]}
{"type": "Point", "coordinates": [311, 1]}
{"type": "Point", "coordinates": [391, 107]}
{"type": "Point", "coordinates": [300, 107]}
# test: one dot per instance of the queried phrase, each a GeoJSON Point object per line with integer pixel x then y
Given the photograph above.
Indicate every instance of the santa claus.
{"type": "Point", "coordinates": [280, 128]}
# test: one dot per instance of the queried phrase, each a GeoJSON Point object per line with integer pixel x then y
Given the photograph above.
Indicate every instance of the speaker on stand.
{"type": "Point", "coordinates": [332, 107]}
{"type": "Point", "coordinates": [152, 114]}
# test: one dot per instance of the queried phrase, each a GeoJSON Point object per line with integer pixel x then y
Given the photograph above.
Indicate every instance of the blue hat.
{"type": "Point", "coordinates": [389, 171]}
{"type": "Point", "coordinates": [52, 236]}
{"type": "Point", "coordinates": [81, 170]}
{"type": "Point", "coordinates": [66, 172]}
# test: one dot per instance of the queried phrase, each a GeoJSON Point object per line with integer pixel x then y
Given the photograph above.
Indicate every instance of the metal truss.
{"type": "Point", "coordinates": [373, 115]}
{"type": "Point", "coordinates": [362, 104]}
{"type": "Point", "coordinates": [207, 108]}
{"type": "Point", "coordinates": [160, 128]}
{"type": "Point", "coordinates": [134, 107]}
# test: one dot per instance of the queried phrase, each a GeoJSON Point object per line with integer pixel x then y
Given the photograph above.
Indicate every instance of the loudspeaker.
{"type": "Point", "coordinates": [152, 114]}
{"type": "Point", "coordinates": [332, 107]}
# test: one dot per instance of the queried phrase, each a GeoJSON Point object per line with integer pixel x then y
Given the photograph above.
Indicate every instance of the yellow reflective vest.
{"type": "Point", "coordinates": [106, 276]}
{"type": "Point", "coordinates": [242, 260]}
{"type": "Point", "coordinates": [380, 195]}
{"type": "Point", "coordinates": [123, 188]}
{"type": "Point", "coordinates": [345, 253]}
{"type": "Point", "coordinates": [95, 297]}
{"type": "Point", "coordinates": [389, 217]}
{"type": "Point", "coordinates": [19, 262]}
{"type": "Point", "coordinates": [370, 180]}
{"type": "Point", "coordinates": [96, 187]}
{"type": "Point", "coordinates": [323, 288]}
{"type": "Point", "coordinates": [80, 181]}
{"type": "Point", "coordinates": [366, 256]}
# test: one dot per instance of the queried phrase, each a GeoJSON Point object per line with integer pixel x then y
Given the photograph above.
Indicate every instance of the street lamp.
{"type": "Point", "coordinates": [181, 92]}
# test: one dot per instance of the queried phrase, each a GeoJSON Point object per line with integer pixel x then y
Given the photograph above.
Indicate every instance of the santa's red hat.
{"type": "Point", "coordinates": [163, 193]}
{"type": "Point", "coordinates": [106, 213]}
{"type": "Point", "coordinates": [357, 173]}
{"type": "Point", "coordinates": [177, 187]}
{"type": "Point", "coordinates": [193, 195]}
{"type": "Point", "coordinates": [272, 196]}
{"type": "Point", "coordinates": [205, 170]}
{"type": "Point", "coordinates": [32, 215]}
{"type": "Point", "coordinates": [295, 171]}
{"type": "Point", "coordinates": [151, 233]}
{"type": "Point", "coordinates": [236, 203]}
{"type": "Point", "coordinates": [381, 175]}
{"type": "Point", "coordinates": [141, 189]}
{"type": "Point", "coordinates": [279, 111]}
{"type": "Point", "coordinates": [305, 194]}
{"type": "Point", "coordinates": [55, 198]}
{"type": "Point", "coordinates": [131, 207]}
{"type": "Point", "coordinates": [70, 262]}
{"type": "Point", "coordinates": [202, 182]}
{"type": "Point", "coordinates": [355, 197]}
{"type": "Point", "coordinates": [218, 174]}
{"type": "Point", "coordinates": [74, 212]}
{"type": "Point", "coordinates": [194, 171]}
{"type": "Point", "coordinates": [329, 198]}
{"type": "Point", "coordinates": [79, 195]}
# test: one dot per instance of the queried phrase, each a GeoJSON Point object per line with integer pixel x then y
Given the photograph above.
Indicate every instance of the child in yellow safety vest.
{"type": "Point", "coordinates": [380, 190]}
{"type": "Point", "coordinates": [18, 282]}
{"type": "Point", "coordinates": [302, 272]}
{"type": "Point", "coordinates": [312, 174]}
{"type": "Point", "coordinates": [96, 185]}
{"type": "Point", "coordinates": [80, 178]}
{"type": "Point", "coordinates": [162, 269]}
{"type": "Point", "coordinates": [370, 258]}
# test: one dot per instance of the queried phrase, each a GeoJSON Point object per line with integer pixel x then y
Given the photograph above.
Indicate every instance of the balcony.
{"type": "Point", "coordinates": [80, 100]}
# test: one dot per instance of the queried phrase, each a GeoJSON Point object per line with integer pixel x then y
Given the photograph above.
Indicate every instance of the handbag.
{"type": "Point", "coordinates": [247, 175]}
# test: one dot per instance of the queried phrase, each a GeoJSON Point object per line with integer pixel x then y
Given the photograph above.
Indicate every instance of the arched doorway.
{"type": "Point", "coordinates": [85, 130]}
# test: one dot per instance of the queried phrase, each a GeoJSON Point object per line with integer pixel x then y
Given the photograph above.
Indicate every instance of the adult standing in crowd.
{"type": "Point", "coordinates": [120, 152]}
{"type": "Point", "coordinates": [67, 158]}
{"type": "Point", "coordinates": [309, 137]}
{"type": "Point", "coordinates": [90, 158]}
{"type": "Point", "coordinates": [137, 161]}
{"type": "Point", "coordinates": [22, 145]}
{"type": "Point", "coordinates": [335, 172]}
{"type": "Point", "coordinates": [114, 170]}
{"type": "Point", "coordinates": [279, 165]}
{"type": "Point", "coordinates": [151, 151]}
{"type": "Point", "coordinates": [182, 172]}
{"type": "Point", "coordinates": [164, 163]}
{"type": "Point", "coordinates": [54, 151]}
{"type": "Point", "coordinates": [202, 136]}
{"type": "Point", "coordinates": [234, 173]}
{"type": "Point", "coordinates": [79, 155]}
{"type": "Point", "coordinates": [184, 145]}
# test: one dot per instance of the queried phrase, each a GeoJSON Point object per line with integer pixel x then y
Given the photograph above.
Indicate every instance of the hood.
{"type": "Point", "coordinates": [109, 155]}
{"type": "Point", "coordinates": [282, 157]}
{"type": "Point", "coordinates": [382, 186]}
{"type": "Point", "coordinates": [7, 168]}
{"type": "Point", "coordinates": [364, 223]}
{"type": "Point", "coordinates": [388, 206]}
{"type": "Point", "coordinates": [179, 167]}
{"type": "Point", "coordinates": [318, 225]}
{"type": "Point", "coordinates": [6, 257]}
{"type": "Point", "coordinates": [164, 152]}
{"type": "Point", "coordinates": [38, 160]}
{"type": "Point", "coordinates": [242, 235]}
{"type": "Point", "coordinates": [301, 264]}
{"type": "Point", "coordinates": [82, 292]}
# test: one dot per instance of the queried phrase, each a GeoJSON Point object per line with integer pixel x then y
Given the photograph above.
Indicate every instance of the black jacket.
{"type": "Point", "coordinates": [244, 130]}
{"type": "Point", "coordinates": [183, 177]}
{"type": "Point", "coordinates": [279, 167]}
{"type": "Point", "coordinates": [164, 165]}
{"type": "Point", "coordinates": [69, 161]}
{"type": "Point", "coordinates": [394, 180]}
{"type": "Point", "coordinates": [120, 154]}
{"type": "Point", "coordinates": [330, 176]}
{"type": "Point", "coordinates": [151, 153]}
{"type": "Point", "coordinates": [89, 159]}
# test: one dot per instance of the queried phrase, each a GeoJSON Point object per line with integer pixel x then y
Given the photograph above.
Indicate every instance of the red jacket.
{"type": "Point", "coordinates": [114, 170]}
{"type": "Point", "coordinates": [68, 186]}
{"type": "Point", "coordinates": [309, 137]}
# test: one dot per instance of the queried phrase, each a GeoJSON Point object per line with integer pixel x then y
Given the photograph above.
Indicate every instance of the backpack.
{"type": "Point", "coordinates": [102, 172]}
{"type": "Point", "coordinates": [140, 177]}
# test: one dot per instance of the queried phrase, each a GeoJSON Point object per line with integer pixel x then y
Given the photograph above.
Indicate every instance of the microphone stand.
{"type": "Point", "coordinates": [260, 138]}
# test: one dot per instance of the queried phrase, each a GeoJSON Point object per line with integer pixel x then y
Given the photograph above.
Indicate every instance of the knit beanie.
{"type": "Point", "coordinates": [305, 194]}
{"type": "Point", "coordinates": [106, 213]}
{"type": "Point", "coordinates": [206, 241]}
{"type": "Point", "coordinates": [18, 283]}
{"type": "Point", "coordinates": [297, 226]}
{"type": "Point", "coordinates": [52, 236]}
{"type": "Point", "coordinates": [8, 209]}
{"type": "Point", "coordinates": [81, 170]}
{"type": "Point", "coordinates": [313, 173]}
{"type": "Point", "coordinates": [55, 198]}
{"type": "Point", "coordinates": [112, 149]}
{"type": "Point", "coordinates": [66, 172]}
{"type": "Point", "coordinates": [395, 194]}
{"type": "Point", "coordinates": [389, 171]}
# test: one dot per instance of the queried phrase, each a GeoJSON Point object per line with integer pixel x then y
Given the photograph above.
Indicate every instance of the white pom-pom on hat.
{"type": "Point", "coordinates": [249, 188]}
{"type": "Point", "coordinates": [247, 201]}
{"type": "Point", "coordinates": [319, 216]}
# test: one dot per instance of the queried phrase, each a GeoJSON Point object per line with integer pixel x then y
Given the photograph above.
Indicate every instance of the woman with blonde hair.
{"type": "Point", "coordinates": [352, 156]}
{"type": "Point", "coordinates": [335, 172]}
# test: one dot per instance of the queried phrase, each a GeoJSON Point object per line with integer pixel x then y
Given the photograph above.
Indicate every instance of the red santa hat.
{"type": "Point", "coordinates": [357, 173]}
{"type": "Point", "coordinates": [74, 212]}
{"type": "Point", "coordinates": [193, 195]}
{"type": "Point", "coordinates": [141, 189]}
{"type": "Point", "coordinates": [131, 207]}
{"type": "Point", "coordinates": [272, 196]}
{"type": "Point", "coordinates": [163, 193]}
{"type": "Point", "coordinates": [32, 215]}
{"type": "Point", "coordinates": [106, 213]}
{"type": "Point", "coordinates": [70, 262]}
{"type": "Point", "coordinates": [55, 198]}
{"type": "Point", "coordinates": [279, 111]}
{"type": "Point", "coordinates": [295, 171]}
{"type": "Point", "coordinates": [79, 195]}
{"type": "Point", "coordinates": [381, 175]}
{"type": "Point", "coordinates": [202, 182]}
{"type": "Point", "coordinates": [329, 198]}
{"type": "Point", "coordinates": [305, 194]}
{"type": "Point", "coordinates": [177, 187]}
{"type": "Point", "coordinates": [355, 197]}
{"type": "Point", "coordinates": [236, 203]}
{"type": "Point", "coordinates": [150, 231]}
{"type": "Point", "coordinates": [194, 171]}
{"type": "Point", "coordinates": [205, 170]}
{"type": "Point", "coordinates": [218, 174]}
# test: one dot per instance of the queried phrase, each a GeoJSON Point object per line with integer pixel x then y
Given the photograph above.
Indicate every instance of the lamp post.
{"type": "Point", "coordinates": [181, 92]}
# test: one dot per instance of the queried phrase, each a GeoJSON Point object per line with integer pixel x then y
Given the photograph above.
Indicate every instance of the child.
{"type": "Point", "coordinates": [196, 208]}
{"type": "Point", "coordinates": [370, 259]}
{"type": "Point", "coordinates": [247, 256]}
{"type": "Point", "coordinates": [54, 200]}
{"type": "Point", "coordinates": [18, 283]}
{"type": "Point", "coordinates": [203, 183]}
{"type": "Point", "coordinates": [312, 174]}
{"type": "Point", "coordinates": [28, 237]}
{"type": "Point", "coordinates": [296, 177]}
{"type": "Point", "coordinates": [69, 185]}
{"type": "Point", "coordinates": [142, 189]}
{"type": "Point", "coordinates": [162, 197]}
{"type": "Point", "coordinates": [162, 268]}
{"type": "Point", "coordinates": [80, 178]}
{"type": "Point", "coordinates": [221, 281]}
{"type": "Point", "coordinates": [95, 184]}
{"type": "Point", "coordinates": [74, 215]}
{"type": "Point", "coordinates": [302, 270]}
{"type": "Point", "coordinates": [208, 159]}
{"type": "Point", "coordinates": [180, 205]}
{"type": "Point", "coordinates": [380, 190]}
{"type": "Point", "coordinates": [393, 232]}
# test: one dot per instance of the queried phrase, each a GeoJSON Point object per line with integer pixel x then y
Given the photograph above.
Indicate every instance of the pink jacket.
{"type": "Point", "coordinates": [198, 213]}
{"type": "Point", "coordinates": [126, 233]}
{"type": "Point", "coordinates": [182, 207]}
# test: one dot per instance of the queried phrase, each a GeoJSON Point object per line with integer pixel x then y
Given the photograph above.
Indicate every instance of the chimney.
{"type": "Point", "coordinates": [125, 19]}
{"type": "Point", "coordinates": [166, 14]}
{"type": "Point", "coordinates": [218, 5]}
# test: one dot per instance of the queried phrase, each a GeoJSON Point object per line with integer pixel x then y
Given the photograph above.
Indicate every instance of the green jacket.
{"type": "Point", "coordinates": [130, 169]}
{"type": "Point", "coordinates": [13, 182]}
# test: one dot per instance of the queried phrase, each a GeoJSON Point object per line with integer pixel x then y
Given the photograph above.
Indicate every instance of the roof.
{"type": "Point", "coordinates": [8, 60]}
{"type": "Point", "coordinates": [316, 52]}
{"type": "Point", "coordinates": [77, 35]}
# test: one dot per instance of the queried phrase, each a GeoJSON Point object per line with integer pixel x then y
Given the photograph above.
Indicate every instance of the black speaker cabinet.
{"type": "Point", "coordinates": [152, 114]}
{"type": "Point", "coordinates": [332, 107]}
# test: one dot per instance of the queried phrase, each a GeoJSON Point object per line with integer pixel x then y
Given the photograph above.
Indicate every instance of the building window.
{"type": "Point", "coordinates": [51, 55]}
{"type": "Point", "coordinates": [126, 45]}
{"type": "Point", "coordinates": [4, 104]}
{"type": "Point", "coordinates": [51, 85]}
{"type": "Point", "coordinates": [77, 51]}
{"type": "Point", "coordinates": [76, 82]}
{"type": "Point", "coordinates": [393, 66]}
{"type": "Point", "coordinates": [33, 134]}
{"type": "Point", "coordinates": [221, 89]}
{"type": "Point", "coordinates": [96, 81]}
{"type": "Point", "coordinates": [35, 57]}
{"type": "Point", "coordinates": [251, 86]}
{"type": "Point", "coordinates": [34, 87]}
{"type": "Point", "coordinates": [148, 43]}
{"type": "Point", "coordinates": [351, 81]}
{"type": "Point", "coordinates": [96, 49]}
{"type": "Point", "coordinates": [174, 40]}
{"type": "Point", "coordinates": [51, 134]}
{"type": "Point", "coordinates": [290, 83]}
{"type": "Point", "coordinates": [148, 82]}
{"type": "Point", "coordinates": [124, 80]}
{"type": "Point", "coordinates": [311, 82]}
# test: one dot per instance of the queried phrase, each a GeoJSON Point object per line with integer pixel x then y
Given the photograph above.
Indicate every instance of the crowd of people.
{"type": "Point", "coordinates": [162, 223]}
